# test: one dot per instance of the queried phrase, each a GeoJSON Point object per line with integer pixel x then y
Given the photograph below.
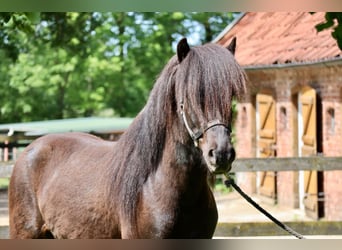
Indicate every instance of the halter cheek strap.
{"type": "Point", "coordinates": [195, 136]}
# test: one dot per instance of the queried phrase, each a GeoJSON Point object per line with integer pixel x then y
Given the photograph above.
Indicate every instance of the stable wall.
{"type": "Point", "coordinates": [286, 82]}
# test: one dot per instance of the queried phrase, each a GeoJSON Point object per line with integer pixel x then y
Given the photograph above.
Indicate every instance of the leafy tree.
{"type": "Point", "coordinates": [46, 72]}
{"type": "Point", "coordinates": [57, 65]}
{"type": "Point", "coordinates": [333, 20]}
{"type": "Point", "coordinates": [206, 25]}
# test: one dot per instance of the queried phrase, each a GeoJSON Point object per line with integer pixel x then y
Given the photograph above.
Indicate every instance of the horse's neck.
{"type": "Point", "coordinates": [164, 147]}
{"type": "Point", "coordinates": [182, 168]}
{"type": "Point", "coordinates": [180, 159]}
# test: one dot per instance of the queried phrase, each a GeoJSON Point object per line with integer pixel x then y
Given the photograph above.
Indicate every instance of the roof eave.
{"type": "Point", "coordinates": [228, 27]}
{"type": "Point", "coordinates": [328, 62]}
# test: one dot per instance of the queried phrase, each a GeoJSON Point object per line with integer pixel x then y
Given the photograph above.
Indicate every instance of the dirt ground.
{"type": "Point", "coordinates": [234, 208]}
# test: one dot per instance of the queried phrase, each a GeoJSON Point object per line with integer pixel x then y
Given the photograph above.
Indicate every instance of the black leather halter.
{"type": "Point", "coordinates": [198, 134]}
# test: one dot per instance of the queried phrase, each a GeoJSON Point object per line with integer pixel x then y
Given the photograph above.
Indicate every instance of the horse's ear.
{"type": "Point", "coordinates": [183, 49]}
{"type": "Point", "coordinates": [231, 47]}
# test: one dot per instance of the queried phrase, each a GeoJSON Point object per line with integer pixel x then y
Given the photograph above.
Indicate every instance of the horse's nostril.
{"type": "Point", "coordinates": [222, 157]}
{"type": "Point", "coordinates": [231, 154]}
{"type": "Point", "coordinates": [211, 153]}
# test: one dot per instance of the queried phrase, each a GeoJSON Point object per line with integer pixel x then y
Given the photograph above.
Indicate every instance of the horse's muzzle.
{"type": "Point", "coordinates": [221, 160]}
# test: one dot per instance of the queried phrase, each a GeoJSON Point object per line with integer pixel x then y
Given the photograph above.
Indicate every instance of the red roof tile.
{"type": "Point", "coordinates": [266, 38]}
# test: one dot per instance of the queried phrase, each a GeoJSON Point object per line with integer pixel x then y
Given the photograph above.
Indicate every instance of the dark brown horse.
{"type": "Point", "coordinates": [152, 183]}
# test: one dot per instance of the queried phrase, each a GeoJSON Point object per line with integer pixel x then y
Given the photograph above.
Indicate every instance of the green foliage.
{"type": "Point", "coordinates": [4, 182]}
{"type": "Point", "coordinates": [67, 64]}
{"type": "Point", "coordinates": [333, 20]}
{"type": "Point", "coordinates": [220, 186]}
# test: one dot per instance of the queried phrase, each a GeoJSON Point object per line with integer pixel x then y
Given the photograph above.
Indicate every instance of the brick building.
{"type": "Point", "coordinates": [293, 106]}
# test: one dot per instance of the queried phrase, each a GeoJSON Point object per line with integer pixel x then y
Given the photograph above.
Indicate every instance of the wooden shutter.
{"type": "Point", "coordinates": [309, 147]}
{"type": "Point", "coordinates": [267, 140]}
{"type": "Point", "coordinates": [308, 104]}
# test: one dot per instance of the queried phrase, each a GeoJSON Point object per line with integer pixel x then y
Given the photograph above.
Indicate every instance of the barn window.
{"type": "Point", "coordinates": [331, 121]}
{"type": "Point", "coordinates": [244, 117]}
{"type": "Point", "coordinates": [283, 118]}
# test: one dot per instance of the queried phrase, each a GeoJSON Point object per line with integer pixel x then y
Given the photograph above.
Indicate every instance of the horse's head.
{"type": "Point", "coordinates": [207, 78]}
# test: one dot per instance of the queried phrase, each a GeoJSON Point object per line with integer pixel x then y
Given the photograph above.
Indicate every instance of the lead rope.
{"type": "Point", "coordinates": [230, 182]}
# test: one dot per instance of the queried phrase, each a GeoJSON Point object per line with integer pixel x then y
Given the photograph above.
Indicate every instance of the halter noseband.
{"type": "Point", "coordinates": [195, 136]}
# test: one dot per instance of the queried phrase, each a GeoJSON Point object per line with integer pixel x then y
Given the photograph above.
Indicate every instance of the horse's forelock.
{"type": "Point", "coordinates": [207, 80]}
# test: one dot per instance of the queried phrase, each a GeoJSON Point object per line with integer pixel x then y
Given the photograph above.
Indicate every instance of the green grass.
{"type": "Point", "coordinates": [221, 188]}
{"type": "Point", "coordinates": [4, 183]}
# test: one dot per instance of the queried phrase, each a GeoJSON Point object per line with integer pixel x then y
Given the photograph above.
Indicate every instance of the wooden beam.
{"type": "Point", "coordinates": [318, 163]}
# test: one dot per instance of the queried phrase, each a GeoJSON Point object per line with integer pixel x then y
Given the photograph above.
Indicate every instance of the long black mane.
{"type": "Point", "coordinates": [205, 81]}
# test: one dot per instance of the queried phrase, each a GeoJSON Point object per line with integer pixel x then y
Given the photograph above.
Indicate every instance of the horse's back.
{"type": "Point", "coordinates": [56, 179]}
{"type": "Point", "coordinates": [57, 152]}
